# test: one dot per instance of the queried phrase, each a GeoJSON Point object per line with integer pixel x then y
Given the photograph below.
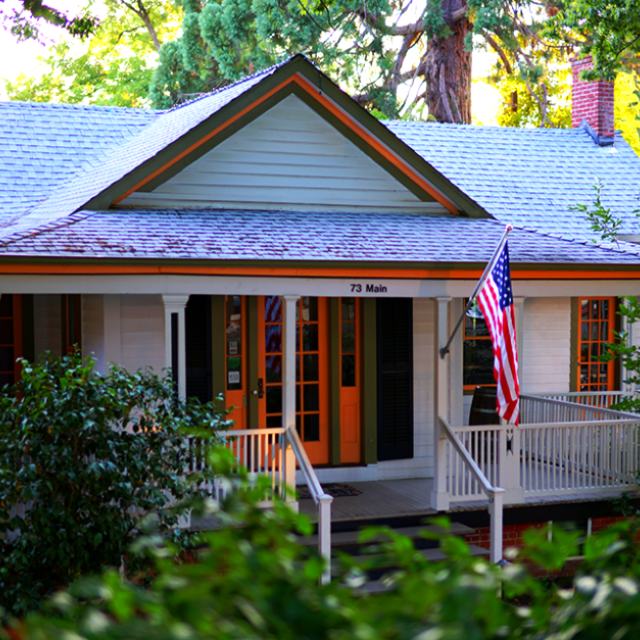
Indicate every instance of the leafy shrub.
{"type": "Point", "coordinates": [254, 581]}
{"type": "Point", "coordinates": [86, 456]}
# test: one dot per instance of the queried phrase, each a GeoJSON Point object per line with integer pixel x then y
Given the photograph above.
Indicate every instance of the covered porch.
{"type": "Point", "coordinates": [562, 449]}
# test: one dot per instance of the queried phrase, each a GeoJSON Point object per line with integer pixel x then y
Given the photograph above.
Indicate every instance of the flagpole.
{"type": "Point", "coordinates": [485, 275]}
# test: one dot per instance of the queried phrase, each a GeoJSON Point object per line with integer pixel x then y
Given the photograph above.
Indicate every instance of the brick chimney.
{"type": "Point", "coordinates": [592, 100]}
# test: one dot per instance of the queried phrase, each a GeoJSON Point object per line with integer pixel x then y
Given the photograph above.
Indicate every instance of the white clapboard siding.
{"type": "Point", "coordinates": [142, 332]}
{"type": "Point", "coordinates": [288, 158]}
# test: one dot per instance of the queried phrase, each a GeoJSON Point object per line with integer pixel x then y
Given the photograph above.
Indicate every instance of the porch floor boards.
{"type": "Point", "coordinates": [379, 499]}
{"type": "Point", "coordinates": [412, 497]}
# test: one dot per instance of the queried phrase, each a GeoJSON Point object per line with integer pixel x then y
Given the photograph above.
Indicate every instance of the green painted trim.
{"type": "Point", "coordinates": [301, 65]}
{"type": "Point", "coordinates": [334, 381]}
{"type": "Point", "coordinates": [266, 106]}
{"type": "Point", "coordinates": [28, 328]}
{"type": "Point", "coordinates": [363, 146]}
{"type": "Point", "coordinates": [575, 333]}
{"type": "Point", "coordinates": [111, 193]}
{"type": "Point", "coordinates": [377, 129]}
{"type": "Point", "coordinates": [253, 364]}
{"type": "Point", "coordinates": [369, 381]}
{"type": "Point", "coordinates": [218, 364]}
{"type": "Point", "coordinates": [218, 139]}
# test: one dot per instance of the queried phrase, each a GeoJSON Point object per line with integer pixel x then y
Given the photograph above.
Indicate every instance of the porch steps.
{"type": "Point", "coordinates": [346, 541]}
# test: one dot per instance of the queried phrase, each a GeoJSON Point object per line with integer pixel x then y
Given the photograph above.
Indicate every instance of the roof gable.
{"type": "Point", "coordinates": [287, 158]}
{"type": "Point", "coordinates": [178, 137]}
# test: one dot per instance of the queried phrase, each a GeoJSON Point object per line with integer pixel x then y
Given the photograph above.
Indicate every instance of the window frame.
{"type": "Point", "coordinates": [469, 340]}
{"type": "Point", "coordinates": [611, 382]}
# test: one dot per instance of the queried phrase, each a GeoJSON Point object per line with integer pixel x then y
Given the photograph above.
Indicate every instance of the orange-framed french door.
{"type": "Point", "coordinates": [312, 368]}
{"type": "Point", "coordinates": [350, 427]}
{"type": "Point", "coordinates": [235, 330]}
{"type": "Point", "coordinates": [596, 328]}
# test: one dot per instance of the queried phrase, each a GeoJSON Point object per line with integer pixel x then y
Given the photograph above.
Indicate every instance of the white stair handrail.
{"type": "Point", "coordinates": [323, 500]}
{"type": "Point", "coordinates": [495, 494]}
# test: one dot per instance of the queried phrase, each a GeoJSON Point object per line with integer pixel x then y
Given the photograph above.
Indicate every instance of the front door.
{"type": "Point", "coordinates": [312, 393]}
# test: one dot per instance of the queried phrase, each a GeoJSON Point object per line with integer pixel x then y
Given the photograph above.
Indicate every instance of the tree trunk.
{"type": "Point", "coordinates": [448, 69]}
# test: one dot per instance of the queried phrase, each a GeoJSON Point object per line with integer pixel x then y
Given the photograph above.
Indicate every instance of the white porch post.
{"type": "Point", "coordinates": [496, 526]}
{"type": "Point", "coordinates": [509, 438]}
{"type": "Point", "coordinates": [439, 495]}
{"type": "Point", "coordinates": [174, 306]}
{"type": "Point", "coordinates": [289, 307]}
{"type": "Point", "coordinates": [456, 396]}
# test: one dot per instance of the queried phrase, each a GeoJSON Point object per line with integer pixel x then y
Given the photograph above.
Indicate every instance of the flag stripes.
{"type": "Point", "coordinates": [496, 302]}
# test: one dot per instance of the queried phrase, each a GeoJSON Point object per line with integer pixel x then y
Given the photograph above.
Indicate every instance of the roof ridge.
{"type": "Point", "coordinates": [247, 78]}
{"type": "Point", "coordinates": [492, 127]}
{"type": "Point", "coordinates": [67, 221]}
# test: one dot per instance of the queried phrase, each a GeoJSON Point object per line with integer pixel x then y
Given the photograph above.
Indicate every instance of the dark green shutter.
{"type": "Point", "coordinates": [198, 330]}
{"type": "Point", "coordinates": [394, 324]}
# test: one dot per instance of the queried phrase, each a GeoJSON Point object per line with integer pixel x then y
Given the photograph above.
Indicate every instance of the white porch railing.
{"type": "Point", "coordinates": [272, 453]}
{"type": "Point", "coordinates": [579, 457]}
{"type": "Point", "coordinates": [466, 476]}
{"type": "Point", "coordinates": [603, 399]}
{"type": "Point", "coordinates": [567, 447]}
{"type": "Point", "coordinates": [260, 451]}
{"type": "Point", "coordinates": [559, 448]}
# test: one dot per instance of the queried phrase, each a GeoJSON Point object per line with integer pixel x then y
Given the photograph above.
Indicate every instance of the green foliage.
{"type": "Point", "coordinates": [24, 23]}
{"type": "Point", "coordinates": [538, 93]}
{"type": "Point", "coordinates": [627, 108]}
{"type": "Point", "coordinates": [253, 580]}
{"type": "Point", "coordinates": [112, 67]}
{"type": "Point", "coordinates": [606, 29]}
{"type": "Point", "coordinates": [90, 457]}
{"type": "Point", "coordinates": [627, 354]}
{"type": "Point", "coordinates": [601, 220]}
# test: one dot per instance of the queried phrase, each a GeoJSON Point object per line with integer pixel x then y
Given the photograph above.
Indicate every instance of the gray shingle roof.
{"type": "Point", "coordinates": [279, 235]}
{"type": "Point", "coordinates": [121, 158]}
{"type": "Point", "coordinates": [530, 177]}
{"type": "Point", "coordinates": [43, 146]}
{"type": "Point", "coordinates": [55, 158]}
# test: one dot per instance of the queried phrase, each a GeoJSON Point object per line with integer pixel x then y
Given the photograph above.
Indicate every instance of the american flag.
{"type": "Point", "coordinates": [496, 301]}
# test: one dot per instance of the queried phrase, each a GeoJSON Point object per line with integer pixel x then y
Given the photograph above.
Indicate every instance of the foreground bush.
{"type": "Point", "coordinates": [254, 581]}
{"type": "Point", "coordinates": [85, 457]}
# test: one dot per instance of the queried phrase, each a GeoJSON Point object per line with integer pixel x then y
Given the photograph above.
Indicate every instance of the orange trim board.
{"type": "Point", "coordinates": [304, 272]}
{"type": "Point", "coordinates": [343, 117]}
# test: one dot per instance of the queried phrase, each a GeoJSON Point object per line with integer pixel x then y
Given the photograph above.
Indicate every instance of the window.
{"type": "Point", "coordinates": [233, 337]}
{"type": "Point", "coordinates": [71, 322]}
{"type": "Point", "coordinates": [596, 326]}
{"type": "Point", "coordinates": [10, 338]}
{"type": "Point", "coordinates": [477, 350]}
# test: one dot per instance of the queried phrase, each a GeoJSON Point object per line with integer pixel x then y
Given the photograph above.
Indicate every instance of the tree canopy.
{"type": "Point", "coordinates": [24, 20]}
{"type": "Point", "coordinates": [398, 58]}
{"type": "Point", "coordinates": [115, 64]}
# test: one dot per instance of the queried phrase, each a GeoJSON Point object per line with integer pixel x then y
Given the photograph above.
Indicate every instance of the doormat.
{"type": "Point", "coordinates": [335, 489]}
